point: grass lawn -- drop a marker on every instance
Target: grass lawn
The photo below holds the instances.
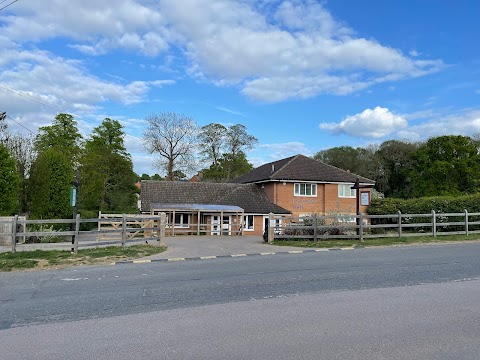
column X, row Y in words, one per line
column 390, row 241
column 38, row 259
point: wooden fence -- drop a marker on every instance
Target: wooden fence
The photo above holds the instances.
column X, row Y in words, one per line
column 132, row 228
column 359, row 227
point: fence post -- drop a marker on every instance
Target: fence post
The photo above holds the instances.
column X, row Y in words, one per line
column 399, row 223
column 466, row 222
column 360, row 228
column 315, row 227
column 434, row 223
column 124, row 230
column 77, row 234
column 161, row 229
column 271, row 227
column 14, row 234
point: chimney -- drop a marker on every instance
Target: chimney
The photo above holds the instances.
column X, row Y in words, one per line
column 273, row 168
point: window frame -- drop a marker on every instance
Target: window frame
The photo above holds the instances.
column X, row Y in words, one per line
column 298, row 186
column 245, row 221
column 348, row 188
column 181, row 224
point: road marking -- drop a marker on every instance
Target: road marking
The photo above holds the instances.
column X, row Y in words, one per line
column 176, row 259
column 319, row 250
column 74, row 279
column 237, row 255
column 141, row 261
column 268, row 253
column 295, row 252
column 347, row 248
column 207, row 257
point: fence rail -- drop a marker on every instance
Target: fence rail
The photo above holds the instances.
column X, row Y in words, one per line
column 364, row 226
column 132, row 230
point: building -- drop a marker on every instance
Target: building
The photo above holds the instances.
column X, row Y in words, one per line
column 297, row 185
column 305, row 186
column 219, row 208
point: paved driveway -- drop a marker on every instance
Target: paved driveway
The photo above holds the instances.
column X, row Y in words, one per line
column 196, row 246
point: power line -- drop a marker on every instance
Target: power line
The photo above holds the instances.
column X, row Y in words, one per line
column 30, row 97
column 46, row 103
column 16, row 122
column 8, row 4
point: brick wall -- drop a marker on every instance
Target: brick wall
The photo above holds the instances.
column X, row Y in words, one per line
column 325, row 202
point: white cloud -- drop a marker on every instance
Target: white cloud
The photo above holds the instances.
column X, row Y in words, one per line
column 294, row 49
column 375, row 123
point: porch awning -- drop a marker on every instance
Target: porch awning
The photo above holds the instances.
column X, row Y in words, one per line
column 195, row 207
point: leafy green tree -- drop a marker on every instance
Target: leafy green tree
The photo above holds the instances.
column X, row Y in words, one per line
column 9, row 182
column 212, row 142
column 446, row 165
column 106, row 171
column 234, row 141
column 50, row 183
column 343, row 157
column 63, row 134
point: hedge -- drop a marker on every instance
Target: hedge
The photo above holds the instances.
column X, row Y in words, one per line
column 441, row 204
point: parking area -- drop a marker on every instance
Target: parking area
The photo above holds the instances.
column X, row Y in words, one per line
column 202, row 246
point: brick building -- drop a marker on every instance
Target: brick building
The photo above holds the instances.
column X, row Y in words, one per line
column 297, row 185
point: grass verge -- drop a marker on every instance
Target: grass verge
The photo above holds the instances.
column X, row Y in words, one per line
column 40, row 259
column 390, row 241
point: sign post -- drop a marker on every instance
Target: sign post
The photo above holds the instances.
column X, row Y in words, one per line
column 365, row 200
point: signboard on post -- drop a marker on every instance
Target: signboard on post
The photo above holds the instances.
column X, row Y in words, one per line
column 73, row 196
column 365, row 199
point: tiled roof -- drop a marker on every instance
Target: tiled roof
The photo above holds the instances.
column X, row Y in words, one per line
column 299, row 168
column 249, row 197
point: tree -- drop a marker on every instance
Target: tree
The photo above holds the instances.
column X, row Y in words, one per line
column 106, row 171
column 231, row 142
column 63, row 134
column 212, row 142
column 343, row 157
column 50, row 182
column 238, row 140
column 172, row 137
column 9, row 181
column 395, row 158
column 446, row 165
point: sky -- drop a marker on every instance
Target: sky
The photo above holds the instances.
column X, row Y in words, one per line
column 302, row 76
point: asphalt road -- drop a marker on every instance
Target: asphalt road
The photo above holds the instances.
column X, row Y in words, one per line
column 390, row 303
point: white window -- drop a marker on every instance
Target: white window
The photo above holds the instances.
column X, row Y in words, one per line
column 346, row 191
column 181, row 220
column 248, row 221
column 305, row 189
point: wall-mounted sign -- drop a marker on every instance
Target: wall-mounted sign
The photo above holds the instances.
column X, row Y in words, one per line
column 365, row 198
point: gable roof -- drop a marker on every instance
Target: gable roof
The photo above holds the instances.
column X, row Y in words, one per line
column 249, row 197
column 299, row 168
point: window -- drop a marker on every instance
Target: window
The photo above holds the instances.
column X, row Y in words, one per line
column 248, row 221
column 345, row 191
column 181, row 220
column 305, row 189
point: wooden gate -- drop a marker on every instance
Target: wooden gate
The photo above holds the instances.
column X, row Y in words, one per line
column 111, row 226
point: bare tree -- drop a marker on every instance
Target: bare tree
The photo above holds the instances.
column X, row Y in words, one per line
column 173, row 137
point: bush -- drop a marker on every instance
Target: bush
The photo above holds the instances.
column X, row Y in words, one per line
column 425, row 205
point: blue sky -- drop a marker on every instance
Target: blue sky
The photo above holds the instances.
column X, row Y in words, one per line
column 302, row 76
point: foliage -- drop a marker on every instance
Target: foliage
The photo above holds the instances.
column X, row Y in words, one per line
column 50, row 182
column 9, row 183
column 172, row 137
column 225, row 148
column 446, row 165
column 441, row 204
column 62, row 134
column 106, row 171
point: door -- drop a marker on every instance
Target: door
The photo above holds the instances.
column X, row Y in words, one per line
column 215, row 225
column 226, row 227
